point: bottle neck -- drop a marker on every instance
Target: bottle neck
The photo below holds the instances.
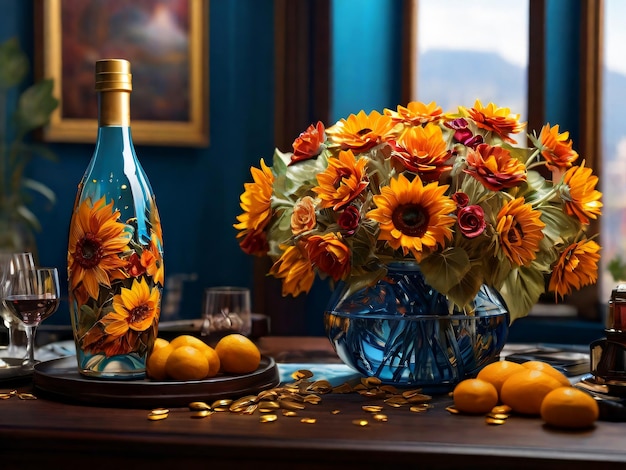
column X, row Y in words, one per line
column 114, row 108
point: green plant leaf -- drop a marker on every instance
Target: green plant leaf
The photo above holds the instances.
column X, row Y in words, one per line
column 446, row 269
column 35, row 106
column 14, row 64
column 521, row 290
column 40, row 188
column 26, row 214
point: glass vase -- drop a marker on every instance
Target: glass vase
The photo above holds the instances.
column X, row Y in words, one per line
column 406, row 333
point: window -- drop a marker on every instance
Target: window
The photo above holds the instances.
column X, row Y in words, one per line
column 469, row 50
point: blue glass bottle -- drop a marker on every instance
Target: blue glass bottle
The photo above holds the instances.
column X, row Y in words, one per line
column 115, row 251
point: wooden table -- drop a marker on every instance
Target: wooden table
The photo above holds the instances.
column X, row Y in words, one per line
column 49, row 434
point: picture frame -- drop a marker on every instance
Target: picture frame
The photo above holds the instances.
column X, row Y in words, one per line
column 167, row 45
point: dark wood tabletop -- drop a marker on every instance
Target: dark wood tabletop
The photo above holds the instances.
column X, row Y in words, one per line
column 46, row 433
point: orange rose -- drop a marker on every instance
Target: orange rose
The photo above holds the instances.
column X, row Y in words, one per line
column 329, row 254
column 303, row 216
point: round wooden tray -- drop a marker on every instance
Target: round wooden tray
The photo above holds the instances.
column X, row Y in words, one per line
column 59, row 379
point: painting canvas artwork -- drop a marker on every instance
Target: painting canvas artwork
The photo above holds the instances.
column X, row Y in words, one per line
column 165, row 41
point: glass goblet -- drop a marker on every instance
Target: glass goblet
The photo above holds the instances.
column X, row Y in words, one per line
column 9, row 263
column 32, row 295
column 226, row 311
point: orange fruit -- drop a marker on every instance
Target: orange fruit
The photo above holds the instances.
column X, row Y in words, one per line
column 497, row 372
column 155, row 365
column 238, row 354
column 189, row 340
column 548, row 369
column 187, row 363
column 524, row 391
column 214, row 361
column 475, row 396
column 569, row 407
column 159, row 343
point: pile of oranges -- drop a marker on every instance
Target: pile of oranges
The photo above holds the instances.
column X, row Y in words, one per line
column 187, row 357
column 532, row 388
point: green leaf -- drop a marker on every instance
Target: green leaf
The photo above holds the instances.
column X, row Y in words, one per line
column 559, row 226
column 40, row 188
column 14, row 64
column 35, row 106
column 26, row 214
column 521, row 291
column 444, row 270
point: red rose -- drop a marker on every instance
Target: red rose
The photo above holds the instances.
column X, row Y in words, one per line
column 471, row 220
column 349, row 220
column 461, row 199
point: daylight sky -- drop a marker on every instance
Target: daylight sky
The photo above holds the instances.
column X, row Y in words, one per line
column 476, row 25
column 614, row 56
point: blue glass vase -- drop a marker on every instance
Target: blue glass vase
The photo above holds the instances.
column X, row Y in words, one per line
column 115, row 252
column 406, row 333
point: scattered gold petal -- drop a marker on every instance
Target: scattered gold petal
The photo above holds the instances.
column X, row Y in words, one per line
column 360, row 422
column 308, row 420
column 372, row 408
column 494, row 421
column 201, row 414
column 289, row 413
column 198, row 405
column 268, row 418
column 501, row 409
column 160, row 411
column 157, row 417
column 453, row 410
column 380, row 417
column 26, row 396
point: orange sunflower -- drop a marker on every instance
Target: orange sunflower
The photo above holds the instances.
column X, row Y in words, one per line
column 412, row 216
column 255, row 201
column 497, row 120
column 579, row 192
column 423, row 150
column 576, row 268
column 95, row 239
column 519, row 229
column 361, row 131
column 295, row 269
column 329, row 254
column 134, row 311
column 556, row 148
column 416, row 113
column 342, row 181
column 494, row 167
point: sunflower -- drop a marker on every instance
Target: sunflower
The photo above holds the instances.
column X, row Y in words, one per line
column 519, row 231
column 415, row 113
column 134, row 312
column 579, row 192
column 361, row 131
column 95, row 241
column 412, row 216
column 255, row 201
column 494, row 119
column 295, row 269
column 576, row 268
column 556, row 148
column 423, row 150
column 342, row 181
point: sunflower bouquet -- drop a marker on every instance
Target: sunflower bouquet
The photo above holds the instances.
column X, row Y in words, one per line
column 453, row 192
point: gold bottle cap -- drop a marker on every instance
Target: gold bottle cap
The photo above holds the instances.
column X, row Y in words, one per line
column 113, row 74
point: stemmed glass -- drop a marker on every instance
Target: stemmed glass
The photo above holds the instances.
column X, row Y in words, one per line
column 9, row 264
column 32, row 295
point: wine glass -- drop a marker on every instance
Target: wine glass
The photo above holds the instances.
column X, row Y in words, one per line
column 9, row 263
column 32, row 295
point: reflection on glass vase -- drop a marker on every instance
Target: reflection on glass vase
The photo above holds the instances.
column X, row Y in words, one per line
column 405, row 333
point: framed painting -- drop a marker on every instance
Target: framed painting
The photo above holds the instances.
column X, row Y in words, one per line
column 166, row 42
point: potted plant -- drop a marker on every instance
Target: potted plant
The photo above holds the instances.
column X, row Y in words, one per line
column 21, row 112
